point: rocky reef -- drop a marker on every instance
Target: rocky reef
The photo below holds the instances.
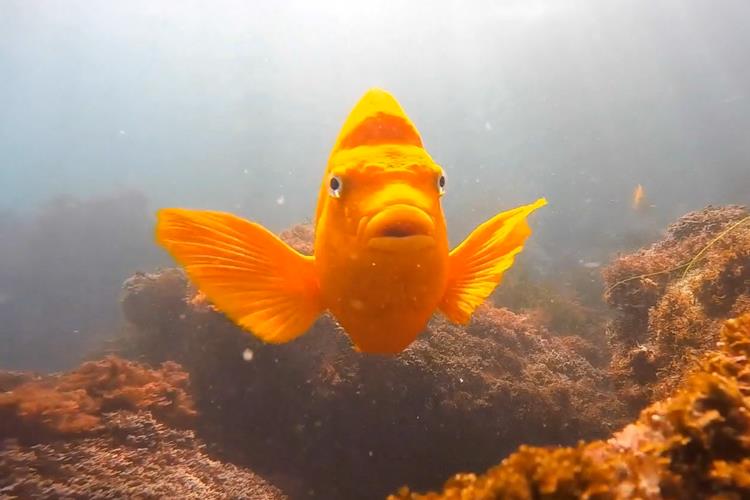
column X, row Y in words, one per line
column 695, row 444
column 322, row 421
column 34, row 408
column 672, row 298
column 346, row 425
column 110, row 429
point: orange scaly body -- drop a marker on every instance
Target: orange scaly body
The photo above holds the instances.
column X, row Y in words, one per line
column 381, row 262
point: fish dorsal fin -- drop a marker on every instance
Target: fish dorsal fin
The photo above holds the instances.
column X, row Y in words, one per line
column 377, row 119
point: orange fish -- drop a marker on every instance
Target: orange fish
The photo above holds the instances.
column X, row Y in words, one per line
column 381, row 262
column 638, row 194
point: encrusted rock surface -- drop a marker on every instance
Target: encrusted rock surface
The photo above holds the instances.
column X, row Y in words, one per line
column 135, row 456
column 695, row 444
column 356, row 426
column 34, row 408
column 667, row 318
column 108, row 430
column 338, row 424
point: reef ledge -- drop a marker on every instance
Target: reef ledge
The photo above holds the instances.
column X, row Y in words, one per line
column 694, row 444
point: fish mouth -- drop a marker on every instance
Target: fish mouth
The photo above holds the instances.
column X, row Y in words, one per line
column 399, row 227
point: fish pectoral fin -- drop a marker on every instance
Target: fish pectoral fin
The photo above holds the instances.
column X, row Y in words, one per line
column 476, row 266
column 246, row 271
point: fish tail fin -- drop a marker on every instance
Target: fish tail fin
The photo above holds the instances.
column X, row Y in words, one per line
column 477, row 265
column 246, row 271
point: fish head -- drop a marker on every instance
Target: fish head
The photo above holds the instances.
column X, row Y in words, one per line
column 381, row 190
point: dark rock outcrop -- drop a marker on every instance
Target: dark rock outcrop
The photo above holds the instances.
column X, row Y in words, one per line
column 356, row 426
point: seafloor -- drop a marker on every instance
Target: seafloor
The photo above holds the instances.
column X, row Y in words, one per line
column 185, row 405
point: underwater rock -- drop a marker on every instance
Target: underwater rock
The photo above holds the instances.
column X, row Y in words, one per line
column 349, row 425
column 668, row 318
column 107, row 430
column 300, row 237
column 133, row 456
column 694, row 444
column 557, row 303
column 34, row 408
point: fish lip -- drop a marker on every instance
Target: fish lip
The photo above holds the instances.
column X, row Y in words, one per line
column 401, row 244
column 399, row 226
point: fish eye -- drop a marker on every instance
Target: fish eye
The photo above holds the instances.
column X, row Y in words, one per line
column 334, row 186
column 441, row 184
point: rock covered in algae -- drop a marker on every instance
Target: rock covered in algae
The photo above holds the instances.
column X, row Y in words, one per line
column 695, row 444
column 34, row 407
column 106, row 430
column 666, row 318
column 458, row 397
column 135, row 456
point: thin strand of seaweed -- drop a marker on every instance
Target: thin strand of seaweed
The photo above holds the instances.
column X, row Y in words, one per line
column 687, row 264
column 723, row 233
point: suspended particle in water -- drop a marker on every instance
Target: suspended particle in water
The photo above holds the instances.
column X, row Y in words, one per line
column 247, row 354
column 589, row 264
column 280, row 200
